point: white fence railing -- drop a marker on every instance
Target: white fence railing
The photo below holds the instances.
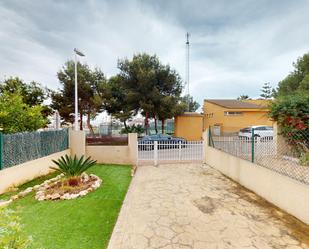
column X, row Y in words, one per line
column 169, row 151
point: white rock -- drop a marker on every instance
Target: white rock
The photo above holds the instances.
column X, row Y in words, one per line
column 66, row 196
column 3, row 203
column 22, row 194
column 26, row 191
column 86, row 178
column 73, row 196
column 55, row 196
column 40, row 192
column 14, row 197
column 36, row 187
column 82, row 193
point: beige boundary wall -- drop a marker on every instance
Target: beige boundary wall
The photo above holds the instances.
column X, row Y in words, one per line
column 121, row 154
column 109, row 154
column 27, row 171
column 284, row 192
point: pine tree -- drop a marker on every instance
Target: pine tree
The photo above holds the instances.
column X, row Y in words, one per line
column 266, row 91
column 243, row 97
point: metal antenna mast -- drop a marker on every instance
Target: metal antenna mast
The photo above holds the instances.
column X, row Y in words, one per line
column 188, row 65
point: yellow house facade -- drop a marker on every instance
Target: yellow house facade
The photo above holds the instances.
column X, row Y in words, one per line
column 224, row 116
column 228, row 115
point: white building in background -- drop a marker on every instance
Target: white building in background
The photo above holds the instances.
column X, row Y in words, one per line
column 137, row 121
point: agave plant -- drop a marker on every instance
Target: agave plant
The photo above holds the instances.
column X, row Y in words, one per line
column 73, row 167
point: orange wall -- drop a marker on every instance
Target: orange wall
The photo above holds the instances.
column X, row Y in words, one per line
column 189, row 127
column 234, row 123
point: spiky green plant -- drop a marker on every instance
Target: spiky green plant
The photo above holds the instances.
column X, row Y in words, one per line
column 73, row 167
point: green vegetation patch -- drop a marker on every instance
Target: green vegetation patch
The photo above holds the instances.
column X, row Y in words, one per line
column 85, row 222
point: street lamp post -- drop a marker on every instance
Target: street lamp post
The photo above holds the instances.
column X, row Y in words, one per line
column 76, row 52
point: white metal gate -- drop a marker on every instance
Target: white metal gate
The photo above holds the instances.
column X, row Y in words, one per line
column 170, row 152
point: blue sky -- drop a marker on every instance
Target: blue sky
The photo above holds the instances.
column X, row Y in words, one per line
column 236, row 46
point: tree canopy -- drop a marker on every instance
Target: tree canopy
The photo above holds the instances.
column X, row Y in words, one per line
column 32, row 94
column 115, row 100
column 17, row 116
column 151, row 87
column 291, row 105
column 298, row 80
column 90, row 87
column 243, row 97
column 143, row 85
column 266, row 91
column 192, row 105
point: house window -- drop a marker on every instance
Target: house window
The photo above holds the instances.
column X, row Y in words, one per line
column 209, row 115
column 232, row 113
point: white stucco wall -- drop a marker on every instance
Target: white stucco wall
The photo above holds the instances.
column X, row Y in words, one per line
column 109, row 154
column 284, row 192
column 27, row 171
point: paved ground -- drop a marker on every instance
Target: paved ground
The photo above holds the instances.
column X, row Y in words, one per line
column 194, row 206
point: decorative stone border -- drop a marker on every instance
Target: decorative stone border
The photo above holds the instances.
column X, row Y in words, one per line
column 34, row 188
column 41, row 195
column 40, row 188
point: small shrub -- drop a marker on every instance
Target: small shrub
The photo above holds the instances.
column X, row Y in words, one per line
column 304, row 159
column 72, row 168
column 139, row 129
column 11, row 231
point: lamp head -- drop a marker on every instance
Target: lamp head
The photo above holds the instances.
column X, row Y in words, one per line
column 78, row 52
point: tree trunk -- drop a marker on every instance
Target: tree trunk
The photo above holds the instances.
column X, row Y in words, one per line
column 163, row 124
column 146, row 123
column 88, row 123
column 156, row 126
column 81, row 120
column 125, row 124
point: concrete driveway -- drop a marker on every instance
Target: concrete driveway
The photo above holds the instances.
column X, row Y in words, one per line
column 194, row 206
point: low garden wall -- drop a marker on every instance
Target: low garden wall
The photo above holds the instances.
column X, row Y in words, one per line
column 21, row 173
column 117, row 154
column 109, row 154
column 286, row 193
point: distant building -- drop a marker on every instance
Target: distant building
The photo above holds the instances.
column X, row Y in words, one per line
column 189, row 126
column 229, row 115
column 224, row 116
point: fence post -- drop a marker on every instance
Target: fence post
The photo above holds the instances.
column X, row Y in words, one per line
column 210, row 140
column 179, row 150
column 155, row 154
column 1, row 151
column 133, row 148
column 252, row 146
column 77, row 143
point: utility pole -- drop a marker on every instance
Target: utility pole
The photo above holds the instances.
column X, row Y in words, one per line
column 188, row 67
column 76, row 52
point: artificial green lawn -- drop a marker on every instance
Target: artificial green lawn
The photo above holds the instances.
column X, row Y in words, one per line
column 86, row 222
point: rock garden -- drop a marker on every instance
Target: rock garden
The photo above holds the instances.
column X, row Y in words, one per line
column 71, row 183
